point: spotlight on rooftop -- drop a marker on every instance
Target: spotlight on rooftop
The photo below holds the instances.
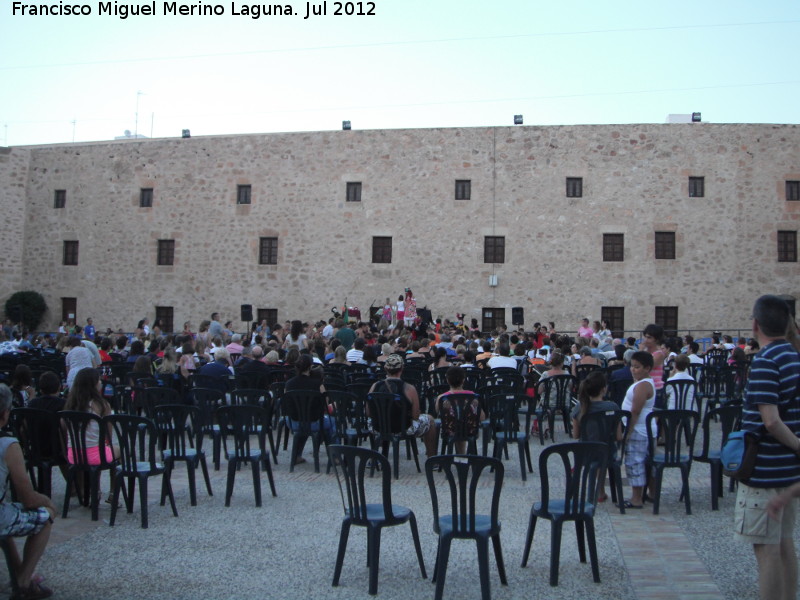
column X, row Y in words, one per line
column 346, row 126
column 517, row 119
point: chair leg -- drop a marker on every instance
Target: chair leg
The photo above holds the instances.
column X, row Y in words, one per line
column 716, row 485
column 115, row 500
column 579, row 534
column 337, row 571
column 498, row 557
column 191, row 469
column 412, row 520
column 256, row 468
column 659, row 475
column 528, row 540
column 593, row 550
column 441, row 565
column 231, row 478
column 143, row 500
column 522, row 460
column 396, row 457
column 555, row 550
column 70, row 482
column 94, row 499
column 168, row 465
column 483, row 567
column 374, row 555
column 687, row 494
column 269, row 476
column 168, row 483
column 415, row 452
column 217, row 443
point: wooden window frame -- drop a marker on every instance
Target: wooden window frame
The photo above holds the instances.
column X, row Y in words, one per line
column 613, row 247
column 381, row 249
column 494, row 249
column 665, row 245
column 268, row 250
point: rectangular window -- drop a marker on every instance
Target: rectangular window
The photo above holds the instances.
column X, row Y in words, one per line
column 243, row 194
column 697, row 187
column 492, row 318
column 574, row 187
column 613, row 247
column 164, row 316
column 381, row 249
column 270, row 315
column 494, row 249
column 354, row 191
column 793, row 191
column 463, row 189
column 665, row 245
column 146, row 198
column 787, row 246
column 614, row 316
column 60, row 199
column 71, row 252
column 268, row 251
column 166, row 252
column 667, row 317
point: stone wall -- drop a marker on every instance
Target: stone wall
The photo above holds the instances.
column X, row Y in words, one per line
column 13, row 181
column 635, row 181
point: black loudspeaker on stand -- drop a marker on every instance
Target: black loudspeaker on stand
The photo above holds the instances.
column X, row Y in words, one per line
column 517, row 316
column 247, row 312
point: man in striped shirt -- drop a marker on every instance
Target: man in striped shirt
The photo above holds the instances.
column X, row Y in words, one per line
column 772, row 409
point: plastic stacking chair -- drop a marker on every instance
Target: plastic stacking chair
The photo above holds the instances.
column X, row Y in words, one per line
column 679, row 428
column 467, row 423
column 682, row 393
column 238, row 424
column 208, row 400
column 505, row 429
column 37, row 431
column 582, row 462
column 729, row 417
column 132, row 434
column 391, row 417
column 351, row 417
column 351, row 464
column 456, row 478
column 555, row 397
column 75, row 427
column 307, row 409
column 605, row 427
column 178, row 424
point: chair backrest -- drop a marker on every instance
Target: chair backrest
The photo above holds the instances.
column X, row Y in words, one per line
column 351, row 464
column 241, row 423
column 207, row 400
column 438, row 376
column 390, row 413
column 350, row 412
column 505, row 377
column 460, row 475
column 582, row 371
column 609, row 427
column 503, row 412
column 37, row 431
column 304, row 407
column 177, row 424
column 679, row 428
column 136, row 438
column 252, row 380
column 716, row 358
column 582, row 463
column 75, row 426
column 557, row 391
column 729, row 417
column 153, row 396
column 682, row 394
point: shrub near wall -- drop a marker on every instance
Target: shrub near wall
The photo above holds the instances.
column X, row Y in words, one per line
column 26, row 307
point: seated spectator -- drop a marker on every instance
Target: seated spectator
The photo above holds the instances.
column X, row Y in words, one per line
column 187, row 364
column 623, row 374
column 681, row 364
column 30, row 516
column 273, row 358
column 356, row 353
column 235, row 347
column 439, row 359
column 692, row 351
column 455, row 379
column 309, row 379
column 501, row 359
column 586, row 358
column 48, row 398
column 22, row 385
column 137, row 350
column 78, row 358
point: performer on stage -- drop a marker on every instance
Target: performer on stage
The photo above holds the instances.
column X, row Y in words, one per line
column 411, row 308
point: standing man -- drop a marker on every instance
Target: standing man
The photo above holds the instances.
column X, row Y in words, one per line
column 772, row 408
column 215, row 328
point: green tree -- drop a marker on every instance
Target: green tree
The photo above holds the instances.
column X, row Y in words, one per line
column 27, row 307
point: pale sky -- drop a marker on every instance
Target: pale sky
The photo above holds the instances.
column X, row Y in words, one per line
column 414, row 63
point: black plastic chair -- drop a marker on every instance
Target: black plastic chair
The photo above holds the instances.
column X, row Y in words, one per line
column 177, row 425
column 251, row 396
column 605, row 427
column 75, row 426
column 729, row 417
column 307, row 409
column 504, row 427
column 37, row 431
column 555, row 398
column 683, row 394
column 582, row 463
column 351, row 417
column 351, row 464
column 456, row 478
column 391, row 417
column 132, row 434
column 616, row 390
column 155, row 396
column 679, row 428
column 239, row 423
column 208, row 400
